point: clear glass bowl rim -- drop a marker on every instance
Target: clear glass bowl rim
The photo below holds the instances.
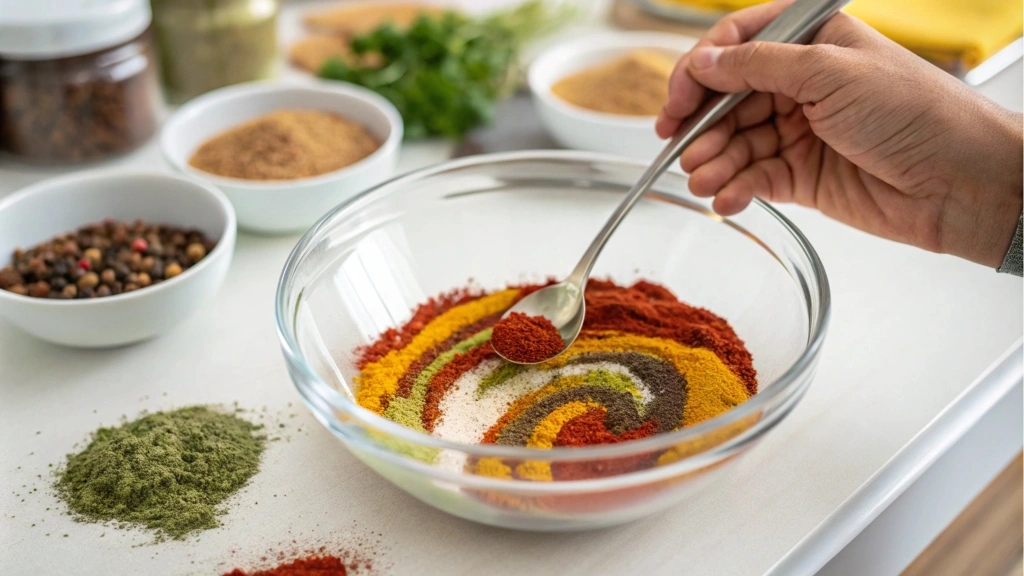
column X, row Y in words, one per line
column 784, row 386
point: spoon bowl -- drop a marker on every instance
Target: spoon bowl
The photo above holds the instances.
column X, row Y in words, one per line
column 561, row 304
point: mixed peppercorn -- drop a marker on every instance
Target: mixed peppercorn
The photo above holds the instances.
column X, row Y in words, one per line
column 104, row 259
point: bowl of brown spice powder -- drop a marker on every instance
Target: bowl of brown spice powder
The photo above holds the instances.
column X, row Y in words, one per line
column 285, row 154
column 602, row 93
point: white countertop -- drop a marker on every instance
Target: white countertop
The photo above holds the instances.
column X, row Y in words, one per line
column 910, row 332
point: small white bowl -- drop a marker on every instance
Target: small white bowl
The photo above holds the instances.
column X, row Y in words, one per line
column 41, row 211
column 582, row 129
column 281, row 206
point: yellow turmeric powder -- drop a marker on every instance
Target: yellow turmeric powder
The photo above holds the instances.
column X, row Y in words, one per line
column 380, row 379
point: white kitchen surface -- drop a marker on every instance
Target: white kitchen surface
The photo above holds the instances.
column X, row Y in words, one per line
column 910, row 333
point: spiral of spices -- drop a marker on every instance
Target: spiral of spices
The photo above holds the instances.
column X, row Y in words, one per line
column 645, row 363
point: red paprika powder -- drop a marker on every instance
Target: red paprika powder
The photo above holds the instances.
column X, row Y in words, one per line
column 312, row 566
column 527, row 339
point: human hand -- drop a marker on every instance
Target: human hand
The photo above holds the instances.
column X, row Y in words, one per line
column 855, row 126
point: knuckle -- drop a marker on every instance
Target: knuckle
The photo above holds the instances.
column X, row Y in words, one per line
column 817, row 56
column 750, row 54
column 820, row 67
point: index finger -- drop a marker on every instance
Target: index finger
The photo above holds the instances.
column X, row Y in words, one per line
column 684, row 93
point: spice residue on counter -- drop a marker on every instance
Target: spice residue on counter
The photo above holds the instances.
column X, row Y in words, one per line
column 633, row 85
column 104, row 259
column 645, row 363
column 169, row 472
column 312, row 566
column 336, row 552
column 286, row 145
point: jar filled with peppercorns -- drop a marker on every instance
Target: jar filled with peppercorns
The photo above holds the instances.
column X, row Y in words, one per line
column 78, row 79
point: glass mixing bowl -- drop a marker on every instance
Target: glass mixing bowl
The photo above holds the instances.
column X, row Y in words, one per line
column 526, row 216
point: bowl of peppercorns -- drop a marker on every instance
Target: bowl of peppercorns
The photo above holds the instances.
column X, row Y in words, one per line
column 108, row 258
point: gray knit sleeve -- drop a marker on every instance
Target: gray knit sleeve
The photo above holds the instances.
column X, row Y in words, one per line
column 1014, row 261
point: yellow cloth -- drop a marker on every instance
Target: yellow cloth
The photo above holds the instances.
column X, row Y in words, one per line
column 944, row 30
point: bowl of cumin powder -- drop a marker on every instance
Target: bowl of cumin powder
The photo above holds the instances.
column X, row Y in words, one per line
column 285, row 154
column 603, row 92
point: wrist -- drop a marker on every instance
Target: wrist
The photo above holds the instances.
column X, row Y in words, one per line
column 984, row 204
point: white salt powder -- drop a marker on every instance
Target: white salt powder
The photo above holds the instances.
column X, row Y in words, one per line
column 466, row 418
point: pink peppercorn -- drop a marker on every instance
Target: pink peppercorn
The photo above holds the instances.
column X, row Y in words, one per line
column 84, row 264
column 140, row 245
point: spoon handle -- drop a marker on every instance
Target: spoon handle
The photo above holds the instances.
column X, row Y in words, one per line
column 797, row 24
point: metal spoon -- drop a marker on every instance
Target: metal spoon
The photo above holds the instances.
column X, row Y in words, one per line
column 563, row 303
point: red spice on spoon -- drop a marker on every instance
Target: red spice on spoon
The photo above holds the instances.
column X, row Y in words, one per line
column 526, row 339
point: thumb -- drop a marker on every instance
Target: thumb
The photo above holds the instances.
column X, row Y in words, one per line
column 806, row 74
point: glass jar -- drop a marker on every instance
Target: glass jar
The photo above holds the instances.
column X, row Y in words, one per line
column 207, row 44
column 80, row 89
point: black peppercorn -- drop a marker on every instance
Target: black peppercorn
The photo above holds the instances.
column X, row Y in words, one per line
column 60, row 268
column 110, row 263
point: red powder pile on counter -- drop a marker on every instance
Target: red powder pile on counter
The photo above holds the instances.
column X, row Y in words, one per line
column 312, row 566
column 527, row 339
column 356, row 554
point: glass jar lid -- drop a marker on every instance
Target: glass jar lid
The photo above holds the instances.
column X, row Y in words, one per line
column 46, row 29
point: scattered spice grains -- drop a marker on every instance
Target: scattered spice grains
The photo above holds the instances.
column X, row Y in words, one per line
column 634, row 85
column 104, row 259
column 169, row 472
column 645, row 363
column 358, row 555
column 313, row 566
column 286, row 145
column 527, row 339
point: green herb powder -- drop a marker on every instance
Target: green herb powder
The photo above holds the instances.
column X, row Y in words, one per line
column 167, row 472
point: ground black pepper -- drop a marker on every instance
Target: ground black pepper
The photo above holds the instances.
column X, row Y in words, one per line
column 621, row 407
column 667, row 386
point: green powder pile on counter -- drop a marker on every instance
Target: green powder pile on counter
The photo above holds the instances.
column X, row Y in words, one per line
column 168, row 472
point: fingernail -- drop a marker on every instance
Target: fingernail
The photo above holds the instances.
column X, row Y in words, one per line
column 705, row 57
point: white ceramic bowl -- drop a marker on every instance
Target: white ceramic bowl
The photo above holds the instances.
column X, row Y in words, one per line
column 41, row 211
column 285, row 205
column 582, row 129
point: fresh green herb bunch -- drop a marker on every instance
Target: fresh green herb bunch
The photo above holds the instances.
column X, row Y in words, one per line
column 446, row 73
